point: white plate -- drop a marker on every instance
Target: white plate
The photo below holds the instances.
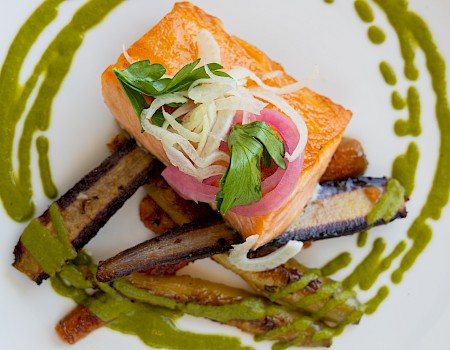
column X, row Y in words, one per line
column 300, row 35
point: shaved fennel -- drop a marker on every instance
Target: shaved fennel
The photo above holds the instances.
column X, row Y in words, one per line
column 238, row 255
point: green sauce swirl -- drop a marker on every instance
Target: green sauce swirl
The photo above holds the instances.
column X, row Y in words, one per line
column 155, row 325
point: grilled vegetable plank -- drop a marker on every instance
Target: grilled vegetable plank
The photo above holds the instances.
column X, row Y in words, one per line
column 190, row 242
column 224, row 304
column 340, row 208
column 293, row 284
column 75, row 218
column 228, row 305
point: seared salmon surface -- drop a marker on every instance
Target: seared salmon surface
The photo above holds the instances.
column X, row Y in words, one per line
column 172, row 43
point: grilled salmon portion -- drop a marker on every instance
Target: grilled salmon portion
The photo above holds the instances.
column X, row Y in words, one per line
column 172, row 43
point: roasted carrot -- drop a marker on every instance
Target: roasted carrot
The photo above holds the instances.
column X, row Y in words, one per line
column 348, row 161
column 78, row 324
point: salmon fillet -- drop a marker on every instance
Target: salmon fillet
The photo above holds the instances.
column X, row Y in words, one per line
column 172, row 43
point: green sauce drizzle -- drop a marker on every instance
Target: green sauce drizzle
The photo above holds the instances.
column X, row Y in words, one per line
column 362, row 239
column 154, row 326
column 404, row 168
column 338, row 263
column 372, row 305
column 420, row 233
column 15, row 191
column 367, row 272
column 364, row 11
column 376, row 35
column 295, row 286
column 298, row 325
column 397, row 101
column 411, row 126
column 335, row 301
column 324, row 292
column 53, row 66
column 40, row 242
column 413, row 32
column 388, row 73
column 388, row 204
column 42, row 146
column 399, row 17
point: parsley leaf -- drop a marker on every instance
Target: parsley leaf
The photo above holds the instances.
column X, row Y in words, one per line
column 145, row 78
column 270, row 140
column 137, row 100
column 241, row 183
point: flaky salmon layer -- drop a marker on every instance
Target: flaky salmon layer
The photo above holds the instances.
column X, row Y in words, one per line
column 172, row 43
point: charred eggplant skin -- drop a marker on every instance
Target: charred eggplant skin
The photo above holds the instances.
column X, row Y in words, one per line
column 315, row 222
column 88, row 205
column 193, row 241
column 333, row 229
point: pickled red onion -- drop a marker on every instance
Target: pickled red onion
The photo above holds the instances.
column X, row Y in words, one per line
column 276, row 188
column 188, row 187
column 284, row 180
column 274, row 199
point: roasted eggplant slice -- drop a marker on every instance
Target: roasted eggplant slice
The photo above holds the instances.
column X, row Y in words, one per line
column 197, row 240
column 340, row 208
column 70, row 222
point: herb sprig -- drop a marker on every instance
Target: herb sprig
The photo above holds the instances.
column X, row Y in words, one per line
column 143, row 78
column 248, row 144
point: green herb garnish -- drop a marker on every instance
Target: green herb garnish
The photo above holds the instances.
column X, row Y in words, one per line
column 144, row 78
column 248, row 144
column 137, row 100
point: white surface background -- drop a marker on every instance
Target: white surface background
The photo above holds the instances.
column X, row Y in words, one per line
column 300, row 35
